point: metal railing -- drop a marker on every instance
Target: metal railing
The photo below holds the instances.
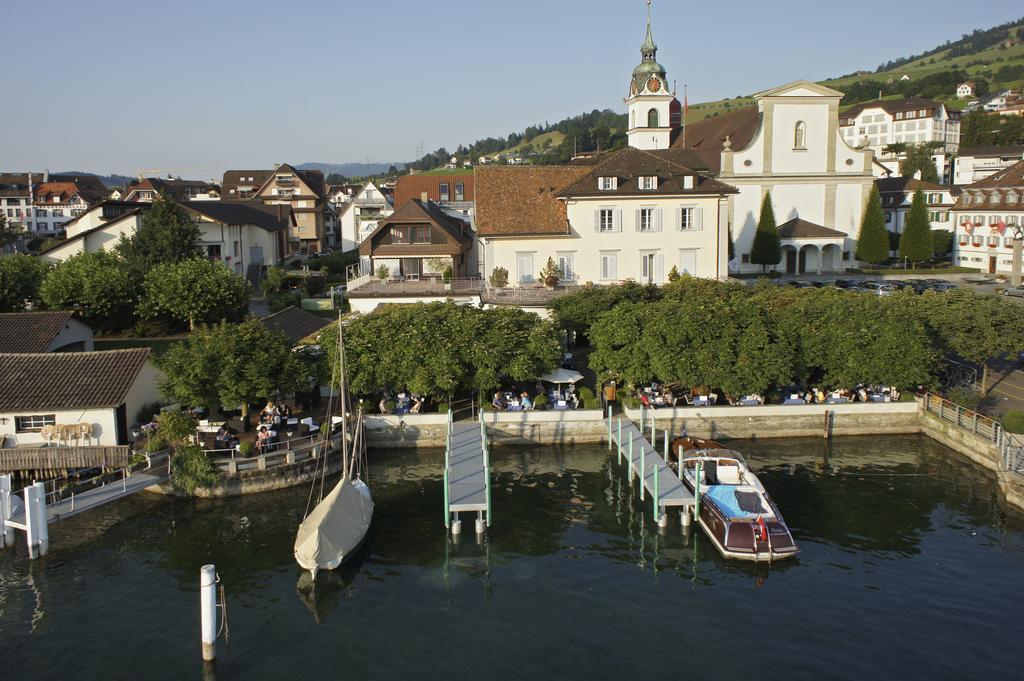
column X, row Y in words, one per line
column 965, row 419
column 525, row 295
column 292, row 451
column 416, row 287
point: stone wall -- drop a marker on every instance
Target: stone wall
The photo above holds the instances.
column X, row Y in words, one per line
column 975, row 448
column 575, row 427
column 408, row 430
column 256, row 481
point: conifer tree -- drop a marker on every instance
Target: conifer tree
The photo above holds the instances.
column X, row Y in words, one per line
column 916, row 242
column 873, row 241
column 767, row 249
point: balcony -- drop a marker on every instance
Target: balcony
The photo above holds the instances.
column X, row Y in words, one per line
column 426, row 287
column 530, row 296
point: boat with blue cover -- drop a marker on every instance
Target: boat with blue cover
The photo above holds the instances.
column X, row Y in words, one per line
column 736, row 511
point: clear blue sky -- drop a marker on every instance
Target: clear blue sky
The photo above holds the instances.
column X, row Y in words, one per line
column 115, row 86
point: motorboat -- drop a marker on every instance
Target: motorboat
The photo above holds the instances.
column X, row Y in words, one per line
column 735, row 512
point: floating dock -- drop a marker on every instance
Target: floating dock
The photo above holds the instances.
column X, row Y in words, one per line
column 643, row 461
column 467, row 475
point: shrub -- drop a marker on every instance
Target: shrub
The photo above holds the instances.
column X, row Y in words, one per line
column 390, row 406
column 629, row 401
column 383, row 272
column 446, row 276
column 540, row 402
column 279, row 301
column 157, row 442
column 246, row 449
column 907, row 396
column 442, row 407
column 151, row 328
column 192, row 468
column 1013, row 421
column 147, row 412
column 965, row 397
column 587, row 398
column 499, row 277
column 673, row 274
column 176, row 427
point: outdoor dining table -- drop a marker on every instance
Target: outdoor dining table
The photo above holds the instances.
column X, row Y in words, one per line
column 749, row 402
column 793, row 400
column 702, row 401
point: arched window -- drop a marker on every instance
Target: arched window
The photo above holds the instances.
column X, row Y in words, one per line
column 652, row 118
column 799, row 135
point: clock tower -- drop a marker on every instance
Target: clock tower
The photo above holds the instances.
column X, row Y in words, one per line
column 651, row 111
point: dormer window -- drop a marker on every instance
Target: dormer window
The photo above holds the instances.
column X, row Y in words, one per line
column 994, row 198
column 688, row 182
column 607, row 184
column 1011, row 198
column 648, row 183
column 967, row 199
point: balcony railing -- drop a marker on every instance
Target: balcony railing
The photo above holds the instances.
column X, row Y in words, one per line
column 424, row 286
column 525, row 295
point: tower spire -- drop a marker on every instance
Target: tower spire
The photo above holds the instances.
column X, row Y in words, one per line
column 649, row 49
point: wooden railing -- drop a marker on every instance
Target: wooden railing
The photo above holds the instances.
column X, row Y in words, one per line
column 60, row 459
column 286, row 453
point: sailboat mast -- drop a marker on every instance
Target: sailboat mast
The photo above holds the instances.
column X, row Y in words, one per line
column 343, row 387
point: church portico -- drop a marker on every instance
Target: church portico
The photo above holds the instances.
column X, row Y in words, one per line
column 808, row 248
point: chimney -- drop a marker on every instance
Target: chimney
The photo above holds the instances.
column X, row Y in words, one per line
column 423, row 197
column 917, row 175
column 46, row 175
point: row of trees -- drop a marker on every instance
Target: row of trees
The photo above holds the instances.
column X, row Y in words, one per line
column 917, row 243
column 752, row 339
column 157, row 274
column 442, row 349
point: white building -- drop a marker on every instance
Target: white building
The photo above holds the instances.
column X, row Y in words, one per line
column 99, row 228
column 910, row 121
column 34, row 332
column 897, row 195
column 790, row 148
column 987, row 215
column 965, row 90
column 102, row 391
column 977, row 163
column 360, row 215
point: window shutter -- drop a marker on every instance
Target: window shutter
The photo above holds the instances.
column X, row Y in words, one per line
column 679, row 219
column 659, row 268
column 597, row 220
column 618, row 220
column 657, row 220
column 698, row 218
column 636, row 225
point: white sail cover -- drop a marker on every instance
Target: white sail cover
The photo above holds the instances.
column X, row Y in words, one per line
column 336, row 526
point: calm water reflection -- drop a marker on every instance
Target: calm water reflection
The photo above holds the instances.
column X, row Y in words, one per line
column 908, row 569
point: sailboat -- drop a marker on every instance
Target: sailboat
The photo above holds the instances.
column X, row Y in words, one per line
column 334, row 530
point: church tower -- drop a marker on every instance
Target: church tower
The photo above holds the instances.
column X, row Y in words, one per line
column 652, row 115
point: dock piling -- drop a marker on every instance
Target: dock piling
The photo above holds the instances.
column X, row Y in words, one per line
column 6, row 536
column 609, row 427
column 36, row 529
column 208, row 611
column 619, row 441
column 630, row 457
column 643, row 470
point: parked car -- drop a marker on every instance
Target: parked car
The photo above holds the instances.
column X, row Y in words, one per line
column 919, row 285
column 878, row 288
column 942, row 286
column 846, row 283
column 899, row 283
column 802, row 284
column 1017, row 291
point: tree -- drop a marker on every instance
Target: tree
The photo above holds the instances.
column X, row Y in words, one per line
column 20, row 279
column 167, row 234
column 942, row 242
column 916, row 241
column 872, row 240
column 767, row 249
column 8, row 233
column 230, row 365
column 919, row 158
column 191, row 468
column 194, row 291
column 96, row 287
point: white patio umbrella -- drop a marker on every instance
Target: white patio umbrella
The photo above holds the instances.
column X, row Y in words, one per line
column 562, row 376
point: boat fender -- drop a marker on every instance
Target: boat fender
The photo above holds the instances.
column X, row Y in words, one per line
column 762, row 528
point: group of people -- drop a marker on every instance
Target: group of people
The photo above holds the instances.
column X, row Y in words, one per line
column 510, row 402
column 405, row 403
column 275, row 413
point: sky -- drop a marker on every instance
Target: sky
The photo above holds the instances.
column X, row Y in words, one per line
column 194, row 88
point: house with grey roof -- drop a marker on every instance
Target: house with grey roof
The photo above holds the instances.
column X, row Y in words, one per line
column 95, row 395
column 36, row 332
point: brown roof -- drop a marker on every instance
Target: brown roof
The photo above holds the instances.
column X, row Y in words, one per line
column 272, row 218
column 1007, row 178
column 706, row 135
column 893, row 106
column 416, row 211
column 295, row 323
column 522, row 200
column 1007, row 150
column 802, row 229
column 670, row 166
column 903, row 184
column 30, row 331
column 414, row 186
column 233, row 180
column 68, row 380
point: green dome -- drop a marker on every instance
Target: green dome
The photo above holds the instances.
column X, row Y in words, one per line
column 649, row 66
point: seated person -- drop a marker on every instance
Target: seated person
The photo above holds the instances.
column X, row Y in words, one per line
column 499, row 401
column 525, row 400
column 383, row 406
column 286, row 413
column 645, row 400
column 224, row 439
column 416, row 406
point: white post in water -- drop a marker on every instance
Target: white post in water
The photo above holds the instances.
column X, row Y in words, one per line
column 35, row 520
column 208, row 610
column 6, row 536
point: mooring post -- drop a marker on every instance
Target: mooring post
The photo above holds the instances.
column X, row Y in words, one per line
column 618, row 441
column 609, row 427
column 36, row 531
column 487, row 491
column 666, row 446
column 652, row 428
column 696, row 491
column 826, row 433
column 630, row 457
column 446, row 513
column 208, row 610
column 643, row 467
column 641, row 419
column 657, row 507
column 6, row 536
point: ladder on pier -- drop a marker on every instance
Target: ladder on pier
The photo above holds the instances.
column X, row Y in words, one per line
column 643, row 461
column 40, row 508
column 467, row 474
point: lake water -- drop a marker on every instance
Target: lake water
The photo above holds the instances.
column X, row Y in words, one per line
column 910, row 568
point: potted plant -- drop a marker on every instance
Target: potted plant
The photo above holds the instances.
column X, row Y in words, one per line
column 499, row 277
column 551, row 274
column 383, row 272
column 446, row 277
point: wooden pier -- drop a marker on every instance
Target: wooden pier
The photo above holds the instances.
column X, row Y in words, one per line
column 467, row 475
column 52, row 461
column 643, row 461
